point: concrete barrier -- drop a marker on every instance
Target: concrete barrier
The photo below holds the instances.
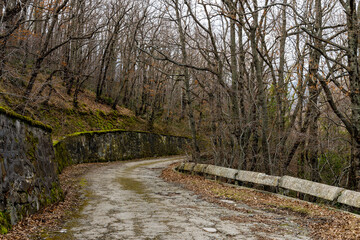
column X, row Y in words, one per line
column 188, row 166
column 243, row 176
column 258, row 178
column 199, row 168
column 323, row 191
column 320, row 190
column 350, row 198
column 221, row 171
column 180, row 167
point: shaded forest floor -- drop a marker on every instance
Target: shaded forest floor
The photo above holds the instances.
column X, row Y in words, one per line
column 324, row 222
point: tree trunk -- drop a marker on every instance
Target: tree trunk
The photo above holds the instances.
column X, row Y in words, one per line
column 262, row 101
column 281, row 88
column 188, row 94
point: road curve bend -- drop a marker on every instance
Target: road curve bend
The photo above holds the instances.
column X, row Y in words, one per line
column 130, row 201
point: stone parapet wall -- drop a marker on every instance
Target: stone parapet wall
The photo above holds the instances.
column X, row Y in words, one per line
column 287, row 183
column 115, row 145
column 28, row 179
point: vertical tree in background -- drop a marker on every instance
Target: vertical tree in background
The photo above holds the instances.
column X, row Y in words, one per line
column 184, row 61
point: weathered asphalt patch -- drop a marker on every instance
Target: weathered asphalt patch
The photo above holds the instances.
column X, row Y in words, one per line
column 130, row 201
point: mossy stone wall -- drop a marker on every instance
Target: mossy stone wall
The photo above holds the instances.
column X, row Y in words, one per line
column 28, row 178
column 115, row 145
column 29, row 164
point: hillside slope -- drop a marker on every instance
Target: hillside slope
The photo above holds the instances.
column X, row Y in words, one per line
column 64, row 118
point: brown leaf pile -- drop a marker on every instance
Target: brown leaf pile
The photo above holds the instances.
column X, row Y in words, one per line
column 53, row 216
column 323, row 222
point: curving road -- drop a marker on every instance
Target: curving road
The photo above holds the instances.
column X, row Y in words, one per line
column 129, row 201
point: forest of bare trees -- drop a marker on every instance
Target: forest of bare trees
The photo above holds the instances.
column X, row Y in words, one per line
column 270, row 85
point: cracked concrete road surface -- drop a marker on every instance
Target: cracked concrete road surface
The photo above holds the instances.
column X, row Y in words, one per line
column 130, row 201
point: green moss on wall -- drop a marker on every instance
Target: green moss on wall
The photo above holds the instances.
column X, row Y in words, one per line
column 32, row 142
column 56, row 193
column 25, row 119
column 92, row 133
column 5, row 225
column 62, row 157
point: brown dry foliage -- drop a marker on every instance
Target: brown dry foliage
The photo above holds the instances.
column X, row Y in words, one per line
column 323, row 222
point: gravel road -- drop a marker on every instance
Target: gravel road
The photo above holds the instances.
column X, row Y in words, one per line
column 129, row 201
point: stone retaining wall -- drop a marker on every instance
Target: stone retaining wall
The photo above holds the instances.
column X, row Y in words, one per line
column 319, row 190
column 115, row 145
column 29, row 164
column 28, row 179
